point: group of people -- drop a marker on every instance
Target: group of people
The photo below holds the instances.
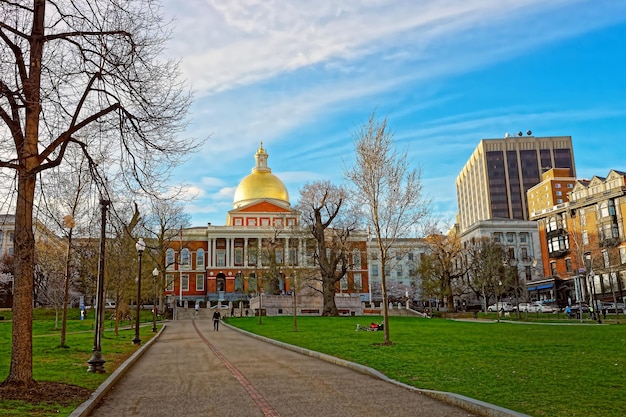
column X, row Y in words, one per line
column 595, row 315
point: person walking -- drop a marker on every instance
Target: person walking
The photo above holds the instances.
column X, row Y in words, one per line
column 216, row 320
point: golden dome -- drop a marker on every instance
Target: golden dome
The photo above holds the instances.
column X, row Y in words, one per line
column 260, row 184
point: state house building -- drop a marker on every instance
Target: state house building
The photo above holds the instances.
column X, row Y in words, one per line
column 232, row 263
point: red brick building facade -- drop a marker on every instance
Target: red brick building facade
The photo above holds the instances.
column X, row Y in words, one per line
column 260, row 249
column 583, row 241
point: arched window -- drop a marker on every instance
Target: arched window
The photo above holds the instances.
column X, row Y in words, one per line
column 604, row 209
column 551, row 224
column 184, row 257
column 200, row 259
column 356, row 259
column 169, row 257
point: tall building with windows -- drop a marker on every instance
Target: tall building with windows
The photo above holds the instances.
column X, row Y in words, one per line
column 494, row 181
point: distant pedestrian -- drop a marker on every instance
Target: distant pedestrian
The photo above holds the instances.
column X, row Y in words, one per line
column 216, row 320
column 568, row 311
column 604, row 313
column 247, row 312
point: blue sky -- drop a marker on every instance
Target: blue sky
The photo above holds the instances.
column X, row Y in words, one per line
column 302, row 75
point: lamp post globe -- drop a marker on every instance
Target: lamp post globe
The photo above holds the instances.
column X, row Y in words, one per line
column 155, row 275
column 140, row 246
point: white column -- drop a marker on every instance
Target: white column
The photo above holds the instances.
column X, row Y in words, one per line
column 245, row 252
column 213, row 250
column 228, row 242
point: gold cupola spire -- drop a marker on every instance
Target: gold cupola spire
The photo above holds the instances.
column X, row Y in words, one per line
column 261, row 160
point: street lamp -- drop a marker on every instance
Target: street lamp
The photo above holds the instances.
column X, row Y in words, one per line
column 96, row 362
column 140, row 246
column 155, row 274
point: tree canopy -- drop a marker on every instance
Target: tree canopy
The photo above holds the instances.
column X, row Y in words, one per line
column 86, row 75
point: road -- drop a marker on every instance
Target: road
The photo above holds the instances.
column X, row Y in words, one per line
column 192, row 370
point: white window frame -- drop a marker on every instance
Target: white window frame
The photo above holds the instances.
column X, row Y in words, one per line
column 343, row 283
column 356, row 258
column 358, row 281
column 200, row 259
column 221, row 257
column 169, row 282
column 185, row 258
column 184, row 282
column 199, row 282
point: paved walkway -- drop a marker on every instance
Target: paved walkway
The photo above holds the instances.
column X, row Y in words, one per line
column 191, row 370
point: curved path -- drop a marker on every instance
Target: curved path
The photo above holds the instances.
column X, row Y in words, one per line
column 192, row 370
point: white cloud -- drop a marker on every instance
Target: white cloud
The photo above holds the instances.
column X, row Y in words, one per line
column 237, row 43
column 283, row 72
column 226, row 192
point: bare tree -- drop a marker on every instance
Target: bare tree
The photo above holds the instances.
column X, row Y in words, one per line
column 442, row 267
column 164, row 219
column 68, row 66
column 49, row 277
column 119, row 276
column 488, row 270
column 389, row 190
column 325, row 213
column 65, row 197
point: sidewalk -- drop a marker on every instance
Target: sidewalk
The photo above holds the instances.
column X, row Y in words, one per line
column 191, row 370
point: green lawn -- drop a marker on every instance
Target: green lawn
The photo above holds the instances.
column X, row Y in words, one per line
column 68, row 365
column 537, row 369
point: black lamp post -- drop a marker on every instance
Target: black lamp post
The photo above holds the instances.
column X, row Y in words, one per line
column 155, row 274
column 140, row 246
column 96, row 362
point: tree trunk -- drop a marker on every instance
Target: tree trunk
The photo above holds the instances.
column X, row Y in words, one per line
column 449, row 296
column 21, row 371
column 383, row 286
column 330, row 308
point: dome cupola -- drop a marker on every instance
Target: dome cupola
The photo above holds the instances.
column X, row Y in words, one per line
column 260, row 184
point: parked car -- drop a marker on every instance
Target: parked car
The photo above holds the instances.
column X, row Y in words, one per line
column 525, row 307
column 610, row 307
column 576, row 308
column 501, row 307
column 545, row 308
